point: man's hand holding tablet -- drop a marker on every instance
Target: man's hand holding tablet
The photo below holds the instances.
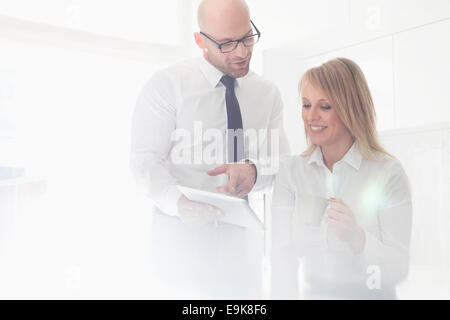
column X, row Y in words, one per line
column 197, row 213
column 234, row 210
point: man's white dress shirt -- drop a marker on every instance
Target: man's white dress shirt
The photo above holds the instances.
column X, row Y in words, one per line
column 181, row 113
column 377, row 192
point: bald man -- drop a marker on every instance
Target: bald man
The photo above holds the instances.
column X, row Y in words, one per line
column 207, row 123
column 222, row 21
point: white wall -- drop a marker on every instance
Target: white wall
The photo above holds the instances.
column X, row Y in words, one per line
column 403, row 54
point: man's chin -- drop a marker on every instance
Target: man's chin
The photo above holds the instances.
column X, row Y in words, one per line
column 240, row 72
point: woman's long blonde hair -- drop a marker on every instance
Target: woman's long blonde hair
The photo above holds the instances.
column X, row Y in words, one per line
column 345, row 86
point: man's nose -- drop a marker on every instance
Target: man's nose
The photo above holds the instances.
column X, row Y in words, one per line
column 241, row 50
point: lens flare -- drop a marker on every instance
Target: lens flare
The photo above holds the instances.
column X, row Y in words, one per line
column 372, row 198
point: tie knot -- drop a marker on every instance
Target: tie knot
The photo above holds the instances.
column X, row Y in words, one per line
column 228, row 81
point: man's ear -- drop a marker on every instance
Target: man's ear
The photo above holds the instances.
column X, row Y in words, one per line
column 199, row 41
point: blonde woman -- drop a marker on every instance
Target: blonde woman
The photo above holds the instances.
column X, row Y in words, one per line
column 341, row 211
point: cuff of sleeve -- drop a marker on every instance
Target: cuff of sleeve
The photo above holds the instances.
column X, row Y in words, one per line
column 262, row 178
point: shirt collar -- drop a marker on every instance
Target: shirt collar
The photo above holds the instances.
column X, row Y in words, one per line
column 316, row 157
column 212, row 74
column 353, row 157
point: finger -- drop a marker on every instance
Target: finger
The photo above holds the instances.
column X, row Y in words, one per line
column 336, row 225
column 189, row 217
column 222, row 189
column 333, row 199
column 240, row 193
column 244, row 188
column 187, row 206
column 240, row 187
column 240, row 182
column 209, row 209
column 338, row 206
column 336, row 200
column 210, row 216
column 335, row 215
column 201, row 206
column 332, row 224
column 232, row 182
column 219, row 170
column 343, row 223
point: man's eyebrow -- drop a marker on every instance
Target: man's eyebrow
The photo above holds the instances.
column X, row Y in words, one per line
column 228, row 39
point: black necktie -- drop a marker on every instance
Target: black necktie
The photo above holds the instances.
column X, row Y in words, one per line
column 235, row 134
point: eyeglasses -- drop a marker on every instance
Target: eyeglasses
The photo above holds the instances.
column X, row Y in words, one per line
column 229, row 46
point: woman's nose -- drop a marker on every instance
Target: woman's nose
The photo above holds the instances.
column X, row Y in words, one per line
column 313, row 114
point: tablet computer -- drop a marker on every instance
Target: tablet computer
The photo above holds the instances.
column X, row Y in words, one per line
column 236, row 210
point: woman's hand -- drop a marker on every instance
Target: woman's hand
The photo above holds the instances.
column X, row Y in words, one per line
column 340, row 220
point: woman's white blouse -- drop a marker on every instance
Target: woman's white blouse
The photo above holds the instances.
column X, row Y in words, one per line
column 377, row 192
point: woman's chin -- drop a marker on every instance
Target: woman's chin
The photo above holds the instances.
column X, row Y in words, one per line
column 318, row 142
